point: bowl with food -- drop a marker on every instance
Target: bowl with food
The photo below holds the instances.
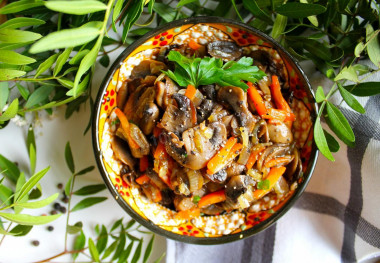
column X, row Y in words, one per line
column 203, row 130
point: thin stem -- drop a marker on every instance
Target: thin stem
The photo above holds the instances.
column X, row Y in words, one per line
column 48, row 106
column 2, row 239
column 59, row 23
column 69, row 210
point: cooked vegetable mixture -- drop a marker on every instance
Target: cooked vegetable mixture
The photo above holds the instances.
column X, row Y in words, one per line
column 205, row 130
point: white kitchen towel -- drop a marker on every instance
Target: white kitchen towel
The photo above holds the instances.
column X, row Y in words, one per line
column 337, row 219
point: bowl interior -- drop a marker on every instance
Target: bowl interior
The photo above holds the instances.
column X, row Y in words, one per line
column 204, row 229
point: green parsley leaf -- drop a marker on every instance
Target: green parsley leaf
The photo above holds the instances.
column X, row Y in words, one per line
column 263, row 185
column 196, row 199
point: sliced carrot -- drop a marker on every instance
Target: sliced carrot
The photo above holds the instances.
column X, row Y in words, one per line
column 212, row 198
column 190, row 91
column 257, row 100
column 193, row 113
column 156, row 196
column 278, row 161
column 160, row 151
column 126, row 128
column 217, row 162
column 273, row 176
column 194, row 45
column 277, row 95
column 188, row 214
column 143, row 179
column 156, row 131
column 144, row 163
column 162, row 164
column 253, row 157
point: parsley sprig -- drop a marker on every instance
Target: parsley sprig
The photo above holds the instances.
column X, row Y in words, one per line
column 205, row 71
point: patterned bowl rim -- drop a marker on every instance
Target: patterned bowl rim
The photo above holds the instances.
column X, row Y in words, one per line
column 147, row 223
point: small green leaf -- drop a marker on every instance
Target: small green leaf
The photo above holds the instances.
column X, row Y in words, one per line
column 102, row 241
column 130, row 224
column 23, row 91
column 8, row 74
column 320, row 95
column 78, row 57
column 87, row 202
column 4, row 94
column 116, row 224
column 40, row 203
column 90, row 189
column 85, row 170
column 263, row 185
column 339, row 124
column 21, row 230
column 125, row 254
column 79, row 244
column 20, row 182
column 82, row 7
column 361, row 69
column 24, row 219
column 373, row 45
column 279, row 26
column 19, row 6
column 38, row 96
column 14, row 58
column 104, row 61
column 61, row 60
column 5, row 194
column 185, row 2
column 253, row 7
column 364, row 89
column 116, row 13
column 148, row 250
column 73, row 229
column 17, row 36
column 66, row 38
column 93, row 251
column 31, row 183
column 69, row 158
column 320, row 140
column 160, row 258
column 21, row 22
column 359, row 49
column 66, row 83
column 137, row 254
column 300, row 10
column 121, row 245
column 68, row 186
column 110, row 249
column 10, row 112
column 32, row 158
column 166, row 12
column 331, row 142
column 46, row 65
column 348, row 73
column 81, row 87
column 131, row 237
column 350, row 100
column 9, row 169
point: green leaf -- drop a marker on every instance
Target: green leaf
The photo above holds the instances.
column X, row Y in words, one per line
column 116, row 13
column 10, row 112
column 66, row 38
column 104, row 60
column 82, row 7
column 185, row 2
column 21, row 22
column 160, row 258
column 279, row 26
column 38, row 96
column 61, row 61
column 373, row 45
column 350, row 100
column 364, row 89
column 9, row 169
column 130, row 224
column 359, row 49
column 90, row 189
column 342, row 4
column 331, row 142
column 32, row 158
column 148, row 250
column 320, row 95
column 21, row 230
column 252, row 6
column 125, row 254
column 29, row 219
column 19, row 6
column 78, row 57
column 24, row 92
column 40, row 203
column 116, row 224
column 66, row 83
column 20, row 182
column 132, row 14
column 93, row 251
column 320, row 140
column 121, row 245
column 4, row 94
column 81, row 87
column 263, row 185
column 79, row 244
column 69, row 158
column 14, row 58
column 85, row 170
column 348, row 73
column 8, row 74
column 318, row 49
column 17, row 36
column 68, row 185
column 166, row 12
column 137, row 254
column 102, row 241
column 5, row 194
column 339, row 124
column 31, row 183
column 46, row 65
column 110, row 249
column 36, row 192
column 73, row 229
column 87, row 202
column 300, row 10
column 361, row 69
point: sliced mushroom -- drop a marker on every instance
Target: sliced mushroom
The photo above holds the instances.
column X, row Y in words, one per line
column 183, row 203
column 153, row 176
column 178, row 119
column 235, row 169
column 188, row 154
column 204, row 110
column 218, row 177
column 294, row 169
column 209, row 91
column 139, row 138
column 121, row 151
column 147, row 67
column 225, row 50
column 270, row 153
column 236, row 98
column 260, row 132
column 280, row 133
column 237, row 186
column 122, row 95
column 164, row 91
column 213, row 209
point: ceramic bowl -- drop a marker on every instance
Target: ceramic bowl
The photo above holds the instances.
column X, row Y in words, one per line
column 159, row 219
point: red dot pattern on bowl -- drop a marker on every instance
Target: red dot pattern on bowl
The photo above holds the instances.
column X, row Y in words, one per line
column 162, row 39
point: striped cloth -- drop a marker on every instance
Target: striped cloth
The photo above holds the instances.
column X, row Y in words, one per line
column 337, row 219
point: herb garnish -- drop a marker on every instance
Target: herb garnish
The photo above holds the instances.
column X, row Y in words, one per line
column 196, row 199
column 263, row 185
column 205, row 71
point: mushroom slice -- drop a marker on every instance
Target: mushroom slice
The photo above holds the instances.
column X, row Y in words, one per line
column 121, row 150
column 218, row 177
column 191, row 155
column 204, row 110
column 147, row 67
column 225, row 50
column 183, row 203
column 294, row 169
column 164, row 91
column 139, row 138
column 236, row 98
column 213, row 209
column 280, row 133
column 237, row 186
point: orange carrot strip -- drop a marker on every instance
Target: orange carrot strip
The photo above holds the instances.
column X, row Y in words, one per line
column 160, row 151
column 257, row 99
column 216, row 163
column 194, row 45
column 277, row 95
column 212, row 198
column 162, row 164
column 143, row 179
column 277, row 161
column 125, row 126
column 190, row 91
column 157, row 197
column 253, row 157
column 144, row 163
column 273, row 176
column 193, row 113
column 188, row 214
